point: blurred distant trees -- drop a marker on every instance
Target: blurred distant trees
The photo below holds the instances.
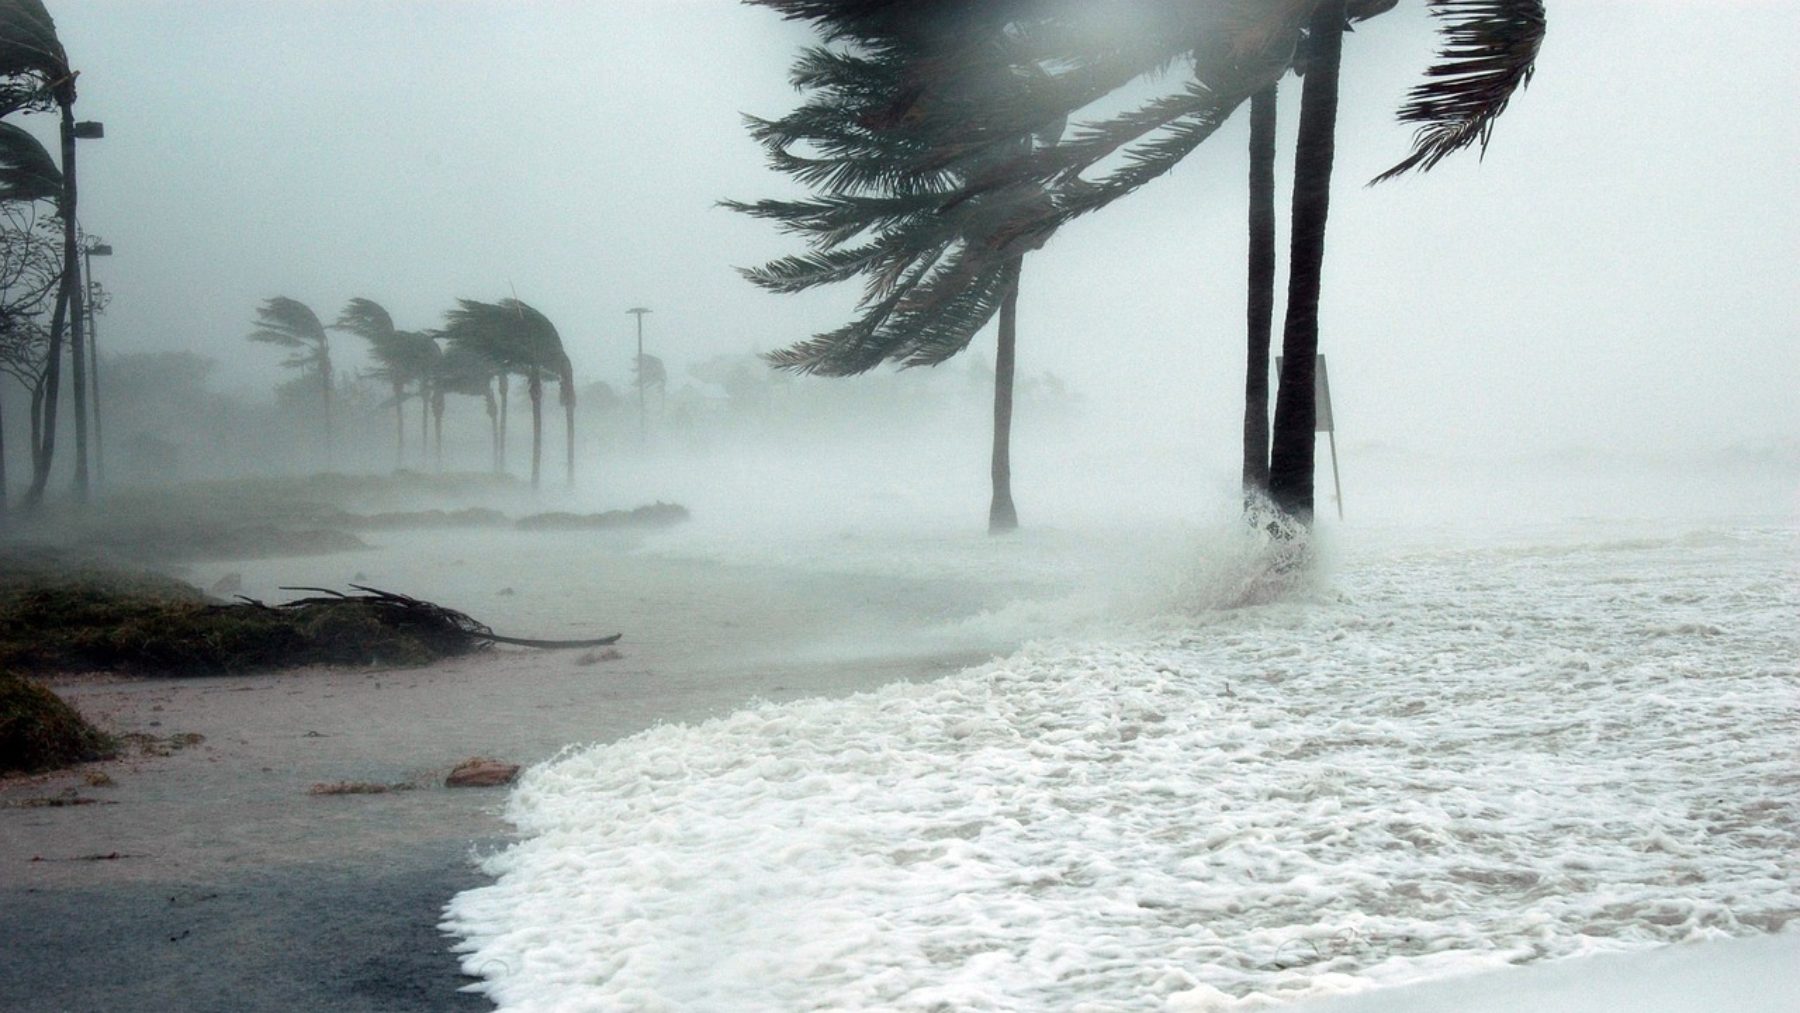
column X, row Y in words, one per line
column 519, row 340
column 401, row 358
column 291, row 324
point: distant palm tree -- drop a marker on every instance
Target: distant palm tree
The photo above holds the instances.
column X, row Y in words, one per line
column 291, row 324
column 368, row 320
column 463, row 370
column 521, row 340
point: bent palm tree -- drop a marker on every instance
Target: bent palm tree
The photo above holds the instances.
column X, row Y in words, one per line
column 889, row 115
column 519, row 339
column 368, row 320
column 463, row 370
column 291, row 324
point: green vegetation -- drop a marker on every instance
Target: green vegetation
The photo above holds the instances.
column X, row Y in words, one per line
column 62, row 620
column 39, row 731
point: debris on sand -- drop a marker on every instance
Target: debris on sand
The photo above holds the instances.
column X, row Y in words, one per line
column 480, row 772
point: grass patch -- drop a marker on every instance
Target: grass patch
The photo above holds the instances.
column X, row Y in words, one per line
column 40, row 731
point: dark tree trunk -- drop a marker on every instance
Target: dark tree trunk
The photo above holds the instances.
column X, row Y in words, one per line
column 568, row 399
column 505, row 410
column 45, row 402
column 72, row 271
column 325, row 385
column 400, row 425
column 493, row 413
column 1291, row 459
column 1260, row 310
column 535, row 388
column 1002, row 516
column 437, row 414
column 424, row 423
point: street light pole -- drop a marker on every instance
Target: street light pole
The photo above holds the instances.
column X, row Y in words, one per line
column 73, row 131
column 643, row 424
column 90, row 251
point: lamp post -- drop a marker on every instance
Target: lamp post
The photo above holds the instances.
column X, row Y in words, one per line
column 643, row 425
column 93, row 249
column 72, row 131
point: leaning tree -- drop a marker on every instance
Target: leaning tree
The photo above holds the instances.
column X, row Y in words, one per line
column 401, row 358
column 1232, row 50
column 883, row 140
column 291, row 324
column 519, row 339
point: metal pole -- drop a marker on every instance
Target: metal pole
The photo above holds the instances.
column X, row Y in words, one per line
column 93, row 336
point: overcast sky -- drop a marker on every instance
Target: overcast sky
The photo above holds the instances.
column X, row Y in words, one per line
column 1619, row 271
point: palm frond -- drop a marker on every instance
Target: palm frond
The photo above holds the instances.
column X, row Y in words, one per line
column 1490, row 52
column 288, row 323
column 27, row 171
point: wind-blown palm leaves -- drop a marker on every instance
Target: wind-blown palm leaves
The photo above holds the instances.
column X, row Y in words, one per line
column 464, row 370
column 519, row 339
column 919, row 202
column 291, row 324
column 1490, row 52
column 35, row 75
column 401, row 358
column 34, row 69
column 27, row 172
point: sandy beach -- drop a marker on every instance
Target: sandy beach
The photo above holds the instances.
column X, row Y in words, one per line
column 209, row 878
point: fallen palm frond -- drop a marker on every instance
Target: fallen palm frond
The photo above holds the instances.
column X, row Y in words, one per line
column 89, row 622
column 427, row 620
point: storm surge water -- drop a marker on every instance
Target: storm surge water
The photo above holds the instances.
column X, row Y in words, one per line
column 1231, row 789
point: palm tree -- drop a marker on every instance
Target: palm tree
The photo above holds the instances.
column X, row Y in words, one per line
column 890, row 114
column 1235, row 49
column 463, row 370
column 291, row 324
column 35, row 75
column 519, row 339
column 368, row 320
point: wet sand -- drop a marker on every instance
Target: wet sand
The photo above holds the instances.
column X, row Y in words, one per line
column 209, row 879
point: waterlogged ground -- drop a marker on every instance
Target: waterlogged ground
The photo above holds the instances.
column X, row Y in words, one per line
column 1202, row 786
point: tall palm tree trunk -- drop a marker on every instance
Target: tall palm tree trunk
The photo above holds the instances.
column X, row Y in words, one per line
column 568, row 399
column 424, row 422
column 437, row 414
column 1260, row 308
column 325, row 389
column 505, row 410
column 45, row 403
column 400, row 425
column 534, row 387
column 1291, row 459
column 493, row 414
column 1002, row 516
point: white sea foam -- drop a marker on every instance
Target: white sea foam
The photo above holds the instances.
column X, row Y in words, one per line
column 1433, row 761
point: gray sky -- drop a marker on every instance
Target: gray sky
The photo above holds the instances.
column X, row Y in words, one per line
column 1619, row 271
